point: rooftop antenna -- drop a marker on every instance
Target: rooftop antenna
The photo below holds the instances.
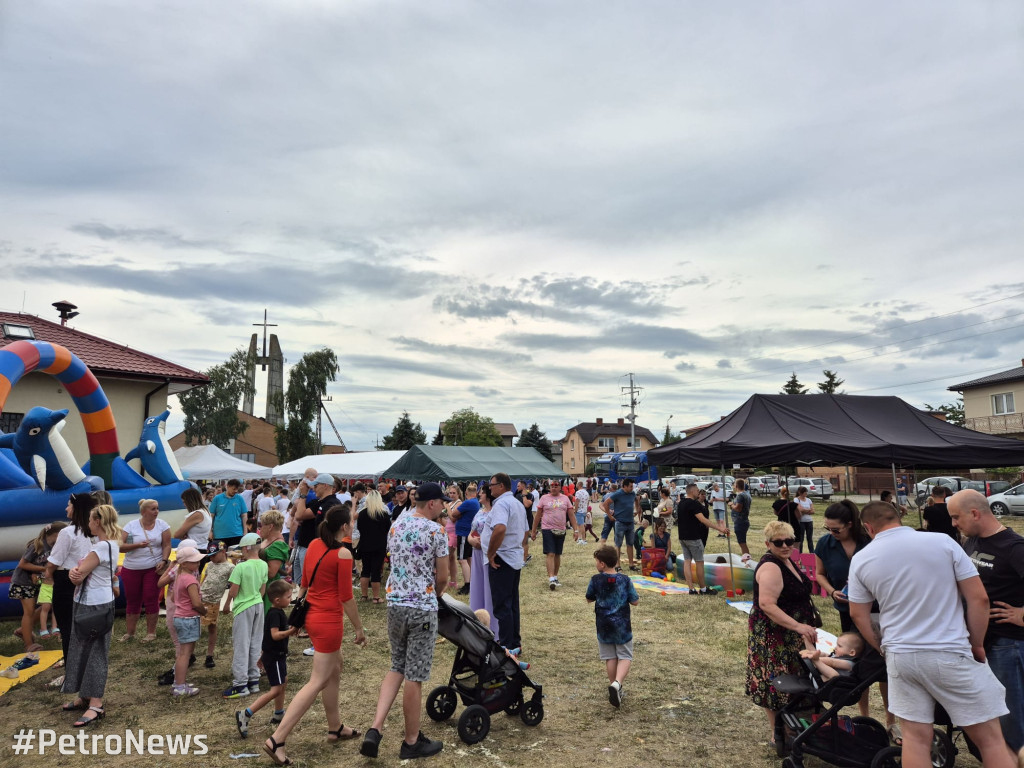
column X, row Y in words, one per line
column 65, row 308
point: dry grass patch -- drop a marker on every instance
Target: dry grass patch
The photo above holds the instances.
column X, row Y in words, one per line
column 684, row 697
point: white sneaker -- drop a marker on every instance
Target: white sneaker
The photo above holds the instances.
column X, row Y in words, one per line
column 615, row 694
column 309, row 651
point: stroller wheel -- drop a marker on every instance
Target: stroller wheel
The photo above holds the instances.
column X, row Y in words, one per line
column 513, row 708
column 890, row 757
column 943, row 751
column 474, row 724
column 441, row 703
column 532, row 712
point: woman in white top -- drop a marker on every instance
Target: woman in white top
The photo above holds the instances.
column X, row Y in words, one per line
column 805, row 510
column 146, row 543
column 198, row 524
column 96, row 581
column 71, row 546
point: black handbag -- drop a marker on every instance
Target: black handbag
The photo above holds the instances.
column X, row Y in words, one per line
column 297, row 618
column 98, row 624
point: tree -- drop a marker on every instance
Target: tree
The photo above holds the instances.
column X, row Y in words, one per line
column 307, row 384
column 211, row 411
column 438, row 438
column 404, row 435
column 534, row 438
column 831, row 384
column 954, row 411
column 793, row 387
column 467, row 427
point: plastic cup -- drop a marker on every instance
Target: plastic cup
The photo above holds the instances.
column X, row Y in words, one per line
column 729, row 593
column 739, row 591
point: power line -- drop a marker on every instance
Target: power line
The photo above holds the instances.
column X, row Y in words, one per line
column 928, row 381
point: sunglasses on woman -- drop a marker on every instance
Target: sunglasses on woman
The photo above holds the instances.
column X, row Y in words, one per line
column 783, row 542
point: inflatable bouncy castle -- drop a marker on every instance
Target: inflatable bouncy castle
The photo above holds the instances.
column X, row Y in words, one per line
column 38, row 472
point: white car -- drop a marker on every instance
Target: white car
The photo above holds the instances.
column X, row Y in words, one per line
column 816, row 486
column 949, row 481
column 1009, row 502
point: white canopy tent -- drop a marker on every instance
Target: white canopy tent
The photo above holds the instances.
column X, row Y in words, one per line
column 347, row 466
column 208, row 462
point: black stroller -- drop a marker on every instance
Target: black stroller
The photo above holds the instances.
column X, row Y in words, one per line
column 810, row 723
column 483, row 675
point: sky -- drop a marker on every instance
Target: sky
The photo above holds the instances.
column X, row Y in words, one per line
column 512, row 206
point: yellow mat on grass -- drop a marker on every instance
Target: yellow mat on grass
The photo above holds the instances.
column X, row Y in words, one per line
column 46, row 660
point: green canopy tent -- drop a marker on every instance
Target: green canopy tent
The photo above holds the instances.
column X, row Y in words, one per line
column 456, row 462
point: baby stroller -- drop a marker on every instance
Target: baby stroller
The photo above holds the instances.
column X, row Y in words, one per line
column 810, row 723
column 486, row 678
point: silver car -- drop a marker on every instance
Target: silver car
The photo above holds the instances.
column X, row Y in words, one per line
column 1009, row 502
column 817, row 487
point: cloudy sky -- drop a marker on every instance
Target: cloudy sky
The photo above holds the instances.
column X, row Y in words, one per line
column 510, row 206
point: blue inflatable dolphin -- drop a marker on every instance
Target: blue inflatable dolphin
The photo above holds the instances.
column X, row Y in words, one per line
column 155, row 452
column 42, row 452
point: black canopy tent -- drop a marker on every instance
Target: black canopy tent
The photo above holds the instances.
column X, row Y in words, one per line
column 835, row 430
column 451, row 462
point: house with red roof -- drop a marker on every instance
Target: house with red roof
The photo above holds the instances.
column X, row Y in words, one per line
column 136, row 383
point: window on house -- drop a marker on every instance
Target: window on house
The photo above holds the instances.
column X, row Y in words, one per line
column 572, row 445
column 606, row 443
column 572, row 463
column 15, row 331
column 250, row 457
column 9, row 422
column 1002, row 404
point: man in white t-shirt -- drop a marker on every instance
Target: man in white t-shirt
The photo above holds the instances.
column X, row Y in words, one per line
column 582, row 502
column 265, row 502
column 931, row 652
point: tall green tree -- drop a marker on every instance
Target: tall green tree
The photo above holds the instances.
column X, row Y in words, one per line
column 954, row 411
column 438, row 438
column 534, row 438
column 307, row 384
column 467, row 427
column 211, row 411
column 404, row 435
column 831, row 384
column 793, row 387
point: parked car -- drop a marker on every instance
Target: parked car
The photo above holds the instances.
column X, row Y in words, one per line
column 704, row 481
column 816, row 486
column 949, row 481
column 1009, row 502
column 757, row 485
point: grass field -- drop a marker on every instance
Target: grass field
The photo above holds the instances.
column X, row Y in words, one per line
column 684, row 704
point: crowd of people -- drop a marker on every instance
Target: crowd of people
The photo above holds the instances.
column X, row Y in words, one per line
column 244, row 551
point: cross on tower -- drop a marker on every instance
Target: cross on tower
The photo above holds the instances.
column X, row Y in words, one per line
column 263, row 360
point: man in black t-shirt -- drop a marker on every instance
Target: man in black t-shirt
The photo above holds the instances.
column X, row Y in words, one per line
column 308, row 516
column 693, row 524
column 998, row 554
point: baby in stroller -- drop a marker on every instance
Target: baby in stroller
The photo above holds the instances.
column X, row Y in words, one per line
column 849, row 647
column 484, row 675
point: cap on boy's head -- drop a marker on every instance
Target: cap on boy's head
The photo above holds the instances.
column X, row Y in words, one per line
column 401, row 489
column 324, row 479
column 188, row 555
column 216, row 546
column 429, row 492
column 249, row 540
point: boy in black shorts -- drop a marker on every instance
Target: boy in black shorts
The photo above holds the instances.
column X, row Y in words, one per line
column 275, row 650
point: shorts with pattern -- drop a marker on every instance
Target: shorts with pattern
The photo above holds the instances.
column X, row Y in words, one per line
column 615, row 650
column 187, row 629
column 693, row 549
column 412, row 632
column 210, row 619
column 21, row 592
column 276, row 668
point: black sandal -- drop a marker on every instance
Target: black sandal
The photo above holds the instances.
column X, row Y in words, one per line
column 339, row 736
column 272, row 751
column 84, row 721
column 78, row 705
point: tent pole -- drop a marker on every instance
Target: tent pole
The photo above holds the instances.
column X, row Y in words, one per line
column 894, row 480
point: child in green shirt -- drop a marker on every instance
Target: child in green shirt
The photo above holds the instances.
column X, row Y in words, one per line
column 245, row 600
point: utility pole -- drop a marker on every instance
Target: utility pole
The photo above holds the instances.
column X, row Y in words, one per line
column 633, row 391
column 320, row 421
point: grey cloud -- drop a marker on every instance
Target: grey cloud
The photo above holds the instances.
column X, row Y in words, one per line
column 413, row 344
column 484, row 391
column 682, row 365
column 400, row 365
column 723, row 363
column 157, row 235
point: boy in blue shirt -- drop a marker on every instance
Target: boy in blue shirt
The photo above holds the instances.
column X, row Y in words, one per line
column 613, row 593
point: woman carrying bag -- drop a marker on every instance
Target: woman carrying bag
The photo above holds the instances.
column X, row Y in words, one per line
column 93, row 618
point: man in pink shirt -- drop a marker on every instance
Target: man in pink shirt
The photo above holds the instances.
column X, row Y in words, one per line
column 554, row 515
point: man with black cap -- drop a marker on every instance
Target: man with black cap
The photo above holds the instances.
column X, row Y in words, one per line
column 419, row 573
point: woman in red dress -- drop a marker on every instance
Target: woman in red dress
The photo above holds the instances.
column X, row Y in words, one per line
column 327, row 583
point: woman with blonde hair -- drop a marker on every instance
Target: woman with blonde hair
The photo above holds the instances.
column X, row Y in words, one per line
column 782, row 620
column 454, row 494
column 96, row 585
column 274, row 549
column 373, row 523
column 198, row 524
column 146, row 543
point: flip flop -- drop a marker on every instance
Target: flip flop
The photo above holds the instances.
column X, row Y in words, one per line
column 272, row 751
column 125, row 638
column 148, row 639
column 895, row 734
